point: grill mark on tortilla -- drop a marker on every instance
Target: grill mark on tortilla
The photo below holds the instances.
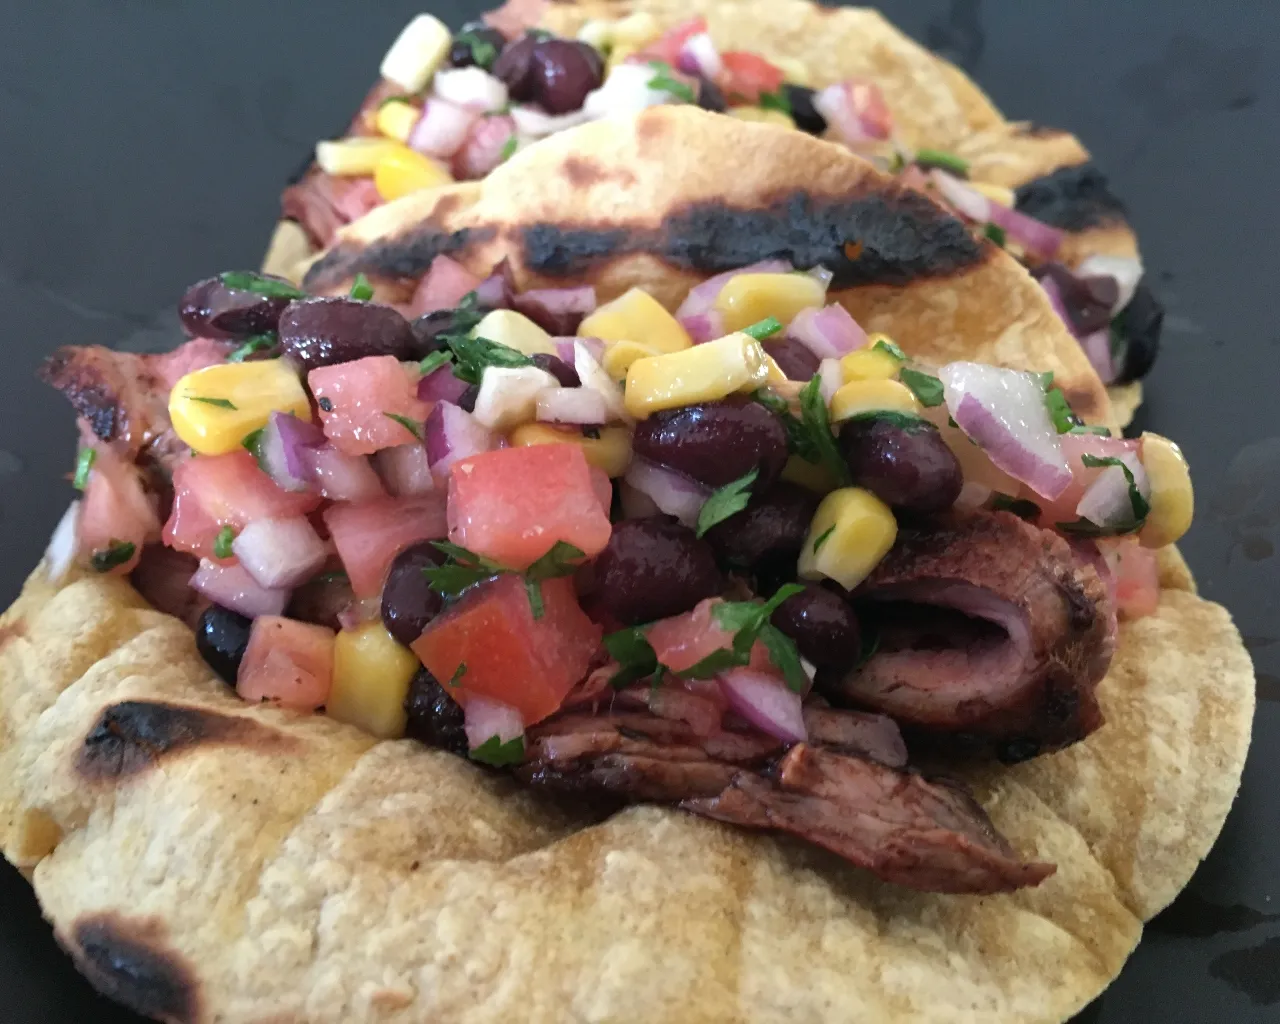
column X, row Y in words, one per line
column 132, row 736
column 583, row 172
column 899, row 236
column 11, row 632
column 406, row 256
column 1072, row 198
column 126, row 960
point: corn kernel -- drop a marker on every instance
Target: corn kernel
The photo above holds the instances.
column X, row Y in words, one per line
column 996, row 193
column 596, row 33
column 619, row 356
column 356, row 156
column 404, row 171
column 776, row 376
column 811, row 476
column 870, row 364
column 214, row 409
column 750, row 298
column 863, row 396
column 611, row 451
column 1172, row 496
column 371, row 675
column 517, row 331
column 418, row 51
column 762, row 116
column 636, row 316
column 851, row 531
column 635, row 29
column 796, row 71
column 704, row 373
column 396, row 118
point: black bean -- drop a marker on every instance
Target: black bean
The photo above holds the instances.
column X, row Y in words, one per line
column 773, row 524
column 803, row 112
column 715, row 443
column 907, row 466
column 210, row 309
column 822, row 624
column 1138, row 326
column 476, row 40
column 794, row 358
column 653, row 568
column 434, row 717
column 321, row 332
column 427, row 330
column 558, row 368
column 321, row 601
column 711, row 97
column 564, row 71
column 408, row 602
column 515, row 67
column 221, row 638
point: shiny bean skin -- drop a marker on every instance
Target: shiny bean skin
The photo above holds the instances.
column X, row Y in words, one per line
column 221, row 638
column 653, row 568
column 408, row 602
column 462, row 54
column 711, row 96
column 321, row 332
column 794, row 358
column 773, row 524
column 210, row 309
column 822, row 624
column 803, row 112
column 909, row 468
column 434, row 717
column 558, row 368
column 715, row 443
column 564, row 71
column 516, row 68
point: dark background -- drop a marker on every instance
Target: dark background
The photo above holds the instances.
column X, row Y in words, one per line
column 145, row 143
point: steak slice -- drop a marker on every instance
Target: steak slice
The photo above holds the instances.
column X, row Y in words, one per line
column 993, row 636
column 929, row 836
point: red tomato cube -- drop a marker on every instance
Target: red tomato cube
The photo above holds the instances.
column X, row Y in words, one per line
column 1135, row 576
column 747, row 75
column 370, row 534
column 233, row 491
column 115, row 509
column 1074, row 447
column 509, row 656
column 287, row 662
column 514, row 504
column 682, row 641
column 364, row 404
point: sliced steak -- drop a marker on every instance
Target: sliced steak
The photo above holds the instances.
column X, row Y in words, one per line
column 856, row 732
column 924, row 835
column 992, row 637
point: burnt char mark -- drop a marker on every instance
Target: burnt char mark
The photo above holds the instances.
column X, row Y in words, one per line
column 1071, row 198
column 133, row 736
column 893, row 239
column 127, row 961
column 407, row 257
column 92, row 398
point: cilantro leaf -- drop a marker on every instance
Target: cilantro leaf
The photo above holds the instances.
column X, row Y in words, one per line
column 84, row 463
column 727, row 501
column 1023, row 508
column 926, row 386
column 455, row 680
column 775, row 101
column 252, row 346
column 252, row 443
column 562, row 560
column 434, row 361
column 114, row 554
column 813, row 412
column 508, row 149
column 410, row 425
column 798, row 441
column 996, row 234
column 766, row 328
column 785, row 656
column 497, row 754
column 1045, row 378
column 473, row 355
column 462, row 570
column 247, row 281
column 361, row 289
column 890, row 346
column 898, row 419
column 823, row 537
column 1140, row 506
column 714, row 663
column 1090, row 428
column 944, row 160
column 634, row 655
column 1060, row 411
column 219, row 403
column 222, row 543
column 664, row 82
column 483, row 52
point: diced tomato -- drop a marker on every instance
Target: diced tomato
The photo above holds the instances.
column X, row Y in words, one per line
column 287, row 662
column 1135, row 573
column 233, row 491
column 485, row 147
column 443, row 287
column 115, row 510
column 668, row 46
column 747, row 75
column 509, row 656
column 682, row 641
column 514, row 504
column 190, row 528
column 1074, row 447
column 369, row 535
column 868, row 105
column 360, row 401
column 194, row 355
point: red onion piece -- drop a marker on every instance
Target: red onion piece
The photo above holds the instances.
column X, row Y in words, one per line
column 702, row 297
column 1124, row 270
column 635, row 503
column 492, row 292
column 674, row 494
column 405, row 470
column 1035, row 236
column 1097, row 346
column 284, row 440
column 830, row 377
column 582, row 406
column 280, row 553
column 699, row 56
column 443, row 287
column 61, row 552
column 564, row 348
column 484, row 719
column 1054, row 294
column 452, row 433
column 856, row 110
column 1003, row 411
column 764, row 701
column 440, row 385
column 471, row 88
column 342, row 477
column 829, row 332
column 1107, row 502
column 964, row 198
column 704, row 327
column 594, row 378
column 232, row 587
column 442, row 128
column 485, row 147
column 558, row 311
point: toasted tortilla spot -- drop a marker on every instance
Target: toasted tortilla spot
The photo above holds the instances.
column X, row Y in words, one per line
column 1072, row 198
column 127, row 961
column 582, row 172
column 10, row 632
column 406, row 256
column 134, row 735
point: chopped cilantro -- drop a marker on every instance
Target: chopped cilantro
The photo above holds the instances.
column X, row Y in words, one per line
column 1059, row 411
column 361, row 289
column 252, row 346
column 402, row 97
column 483, row 52
column 222, row 543
column 252, row 443
column 247, row 281
column 775, row 101
column 509, row 148
column 996, row 234
column 219, row 403
column 1090, row 428
column 473, row 355
column 1137, row 502
column 455, row 680
column 823, row 537
column 890, row 346
column 414, row 428
column 813, row 413
column 727, row 501
column 114, row 554
column 1045, row 379
column 84, row 463
column 562, row 560
column 634, row 655
column 766, row 328
column 1020, row 507
column 926, row 386
column 497, row 754
column 897, row 419
column 463, row 569
column 944, row 160
column 434, row 361
column 664, row 82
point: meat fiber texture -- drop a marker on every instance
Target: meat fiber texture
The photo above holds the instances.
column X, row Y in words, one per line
column 203, row 859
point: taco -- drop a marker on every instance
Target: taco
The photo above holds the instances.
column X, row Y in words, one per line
column 728, row 697
column 456, row 107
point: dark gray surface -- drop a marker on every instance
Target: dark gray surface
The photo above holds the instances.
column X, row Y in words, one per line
column 144, row 147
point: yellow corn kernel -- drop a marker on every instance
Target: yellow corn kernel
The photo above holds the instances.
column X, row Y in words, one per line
column 635, row 29
column 776, row 376
column 851, row 531
column 636, row 316
column 870, row 364
column 996, row 193
column 750, row 298
column 356, row 156
column 396, row 118
column 611, row 451
column 371, row 674
column 704, row 373
column 810, row 475
column 796, row 71
column 214, row 409
column 619, row 356
column 515, row 330
column 864, row 396
column 1172, row 497
column 403, row 171
column 419, row 50
column 762, row 116
column 597, row 33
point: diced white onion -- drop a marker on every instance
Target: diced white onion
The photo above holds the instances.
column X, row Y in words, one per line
column 625, row 91
column 484, row 719
column 61, row 553
column 280, row 553
column 509, row 395
column 674, row 494
column 472, row 88
column 593, row 376
column 582, row 406
column 1124, row 270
